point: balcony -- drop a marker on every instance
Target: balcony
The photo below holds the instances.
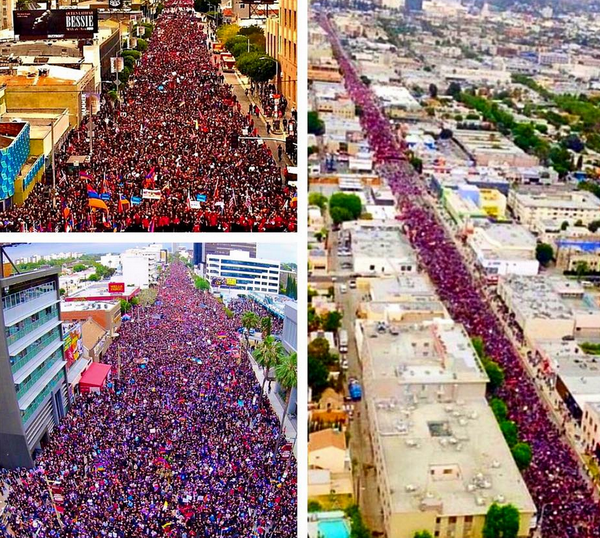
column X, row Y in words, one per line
column 26, row 400
column 28, row 364
column 26, row 336
column 15, row 310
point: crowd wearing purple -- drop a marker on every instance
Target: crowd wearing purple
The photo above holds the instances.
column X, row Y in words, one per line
column 554, row 478
column 178, row 444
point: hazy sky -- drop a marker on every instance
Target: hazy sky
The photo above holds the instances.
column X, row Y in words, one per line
column 285, row 252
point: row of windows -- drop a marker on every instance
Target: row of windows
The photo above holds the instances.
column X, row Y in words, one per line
column 25, row 296
column 23, row 387
column 23, row 357
column 249, row 264
column 25, row 415
column 22, row 328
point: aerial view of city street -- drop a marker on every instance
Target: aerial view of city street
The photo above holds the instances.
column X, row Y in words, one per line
column 148, row 391
column 148, row 116
column 454, row 265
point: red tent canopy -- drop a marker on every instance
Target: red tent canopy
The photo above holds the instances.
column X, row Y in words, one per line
column 94, row 378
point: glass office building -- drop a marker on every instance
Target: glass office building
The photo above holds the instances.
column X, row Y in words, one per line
column 33, row 388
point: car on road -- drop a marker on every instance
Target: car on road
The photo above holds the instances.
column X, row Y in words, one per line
column 352, row 284
column 343, row 288
column 346, row 265
column 354, row 389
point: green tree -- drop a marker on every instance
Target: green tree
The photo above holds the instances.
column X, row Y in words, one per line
column 142, row 45
column 94, row 278
column 318, row 199
column 350, row 202
column 201, row 283
column 522, row 454
column 453, row 89
column 499, row 409
column 495, row 374
column 78, row 267
column 501, row 522
column 249, row 321
column 544, row 253
column 266, row 324
column 318, row 377
column 319, row 349
column 423, row 534
column 267, row 355
column 564, row 225
column 510, row 431
column 581, row 269
column 315, row 125
column 125, row 306
column 593, row 226
column 332, row 321
column 286, row 373
column 227, row 31
column 340, row 214
column 314, row 506
column 62, row 291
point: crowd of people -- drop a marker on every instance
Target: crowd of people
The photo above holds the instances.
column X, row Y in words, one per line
column 178, row 444
column 169, row 156
column 564, row 498
column 243, row 304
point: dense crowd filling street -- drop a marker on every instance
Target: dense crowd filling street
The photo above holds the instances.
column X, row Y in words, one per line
column 563, row 498
column 176, row 132
column 179, row 444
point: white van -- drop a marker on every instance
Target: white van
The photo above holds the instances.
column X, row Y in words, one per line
column 343, row 288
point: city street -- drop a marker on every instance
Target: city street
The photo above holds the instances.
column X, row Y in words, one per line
column 177, row 443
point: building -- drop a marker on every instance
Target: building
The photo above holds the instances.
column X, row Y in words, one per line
column 329, row 465
column 492, row 148
column 107, row 314
column 77, row 364
column 96, row 340
column 33, row 378
column 6, row 16
column 591, row 428
column 37, row 88
column 380, row 247
column 202, row 250
column 239, row 272
column 281, row 36
column 413, row 5
column 139, row 266
column 105, row 291
column 550, row 307
column 530, row 206
column 504, row 249
column 441, row 458
column 112, row 261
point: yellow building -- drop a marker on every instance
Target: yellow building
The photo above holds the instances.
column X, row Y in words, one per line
column 29, row 89
column 281, row 43
column 493, row 202
column 6, row 21
column 330, row 472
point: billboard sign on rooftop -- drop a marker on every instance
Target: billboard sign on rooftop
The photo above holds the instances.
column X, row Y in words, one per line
column 34, row 24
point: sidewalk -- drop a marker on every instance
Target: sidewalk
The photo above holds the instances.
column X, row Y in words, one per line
column 290, row 425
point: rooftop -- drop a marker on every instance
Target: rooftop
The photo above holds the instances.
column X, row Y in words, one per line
column 373, row 241
column 559, row 199
column 459, row 461
column 391, row 289
column 437, row 352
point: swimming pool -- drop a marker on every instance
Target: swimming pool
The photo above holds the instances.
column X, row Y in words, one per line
column 333, row 528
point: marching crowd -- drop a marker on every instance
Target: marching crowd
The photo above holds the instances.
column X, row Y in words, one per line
column 564, row 499
column 169, row 156
column 241, row 305
column 178, row 444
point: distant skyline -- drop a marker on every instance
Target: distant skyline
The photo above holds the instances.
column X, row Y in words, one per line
column 284, row 252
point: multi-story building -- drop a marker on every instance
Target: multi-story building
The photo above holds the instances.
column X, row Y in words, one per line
column 106, row 313
column 238, row 271
column 281, row 43
column 531, row 206
column 202, row 250
column 6, row 20
column 440, row 456
column 33, row 378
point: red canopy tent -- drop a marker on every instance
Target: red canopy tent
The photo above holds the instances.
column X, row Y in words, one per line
column 94, row 378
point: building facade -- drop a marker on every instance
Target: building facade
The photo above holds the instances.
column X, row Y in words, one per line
column 202, row 250
column 33, row 379
column 6, row 17
column 238, row 271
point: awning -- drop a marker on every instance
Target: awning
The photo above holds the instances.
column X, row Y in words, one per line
column 94, row 378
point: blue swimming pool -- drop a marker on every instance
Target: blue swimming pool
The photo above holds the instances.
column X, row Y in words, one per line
column 334, row 528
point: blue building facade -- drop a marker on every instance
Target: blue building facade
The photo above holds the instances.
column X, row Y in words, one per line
column 13, row 157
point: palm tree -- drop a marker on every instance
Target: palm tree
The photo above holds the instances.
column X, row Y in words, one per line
column 268, row 354
column 249, row 321
column 286, row 372
column 265, row 325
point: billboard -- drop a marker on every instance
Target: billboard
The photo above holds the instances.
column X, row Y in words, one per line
column 116, row 287
column 222, row 282
column 35, row 24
